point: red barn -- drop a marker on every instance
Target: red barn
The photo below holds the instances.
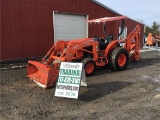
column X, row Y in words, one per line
column 30, row 27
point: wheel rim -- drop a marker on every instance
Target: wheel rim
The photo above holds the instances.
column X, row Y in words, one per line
column 89, row 68
column 122, row 60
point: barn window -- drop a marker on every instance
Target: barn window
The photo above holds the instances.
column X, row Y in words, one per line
column 124, row 34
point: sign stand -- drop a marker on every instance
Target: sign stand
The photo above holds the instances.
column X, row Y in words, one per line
column 77, row 103
column 71, row 77
column 83, row 78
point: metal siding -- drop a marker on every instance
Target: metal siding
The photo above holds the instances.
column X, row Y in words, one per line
column 27, row 26
column 69, row 26
column 25, row 29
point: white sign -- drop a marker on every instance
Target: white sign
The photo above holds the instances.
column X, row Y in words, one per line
column 69, row 80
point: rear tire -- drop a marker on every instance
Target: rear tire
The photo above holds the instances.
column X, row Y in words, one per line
column 118, row 59
column 89, row 66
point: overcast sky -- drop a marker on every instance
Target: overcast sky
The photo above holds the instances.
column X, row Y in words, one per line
column 145, row 10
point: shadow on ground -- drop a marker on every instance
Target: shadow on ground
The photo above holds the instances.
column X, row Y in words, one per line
column 143, row 63
column 98, row 90
column 131, row 65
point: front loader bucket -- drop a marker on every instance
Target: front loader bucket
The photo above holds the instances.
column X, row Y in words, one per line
column 44, row 76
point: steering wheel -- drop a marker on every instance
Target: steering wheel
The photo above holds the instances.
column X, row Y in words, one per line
column 109, row 38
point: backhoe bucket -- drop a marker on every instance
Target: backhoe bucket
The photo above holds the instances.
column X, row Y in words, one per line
column 44, row 76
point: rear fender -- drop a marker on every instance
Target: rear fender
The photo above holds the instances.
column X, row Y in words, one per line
column 111, row 46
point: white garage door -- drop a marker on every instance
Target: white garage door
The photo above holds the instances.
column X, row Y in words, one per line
column 69, row 26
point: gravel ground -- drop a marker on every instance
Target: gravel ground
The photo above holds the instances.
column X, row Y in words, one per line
column 133, row 94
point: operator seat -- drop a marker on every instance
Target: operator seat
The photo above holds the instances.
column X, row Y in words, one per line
column 104, row 42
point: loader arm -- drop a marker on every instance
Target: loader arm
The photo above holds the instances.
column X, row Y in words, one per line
column 77, row 48
column 132, row 43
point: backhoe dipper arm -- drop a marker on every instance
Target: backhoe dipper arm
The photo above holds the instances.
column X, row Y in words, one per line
column 132, row 43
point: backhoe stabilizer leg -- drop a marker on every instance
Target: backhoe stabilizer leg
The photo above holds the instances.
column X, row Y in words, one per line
column 135, row 56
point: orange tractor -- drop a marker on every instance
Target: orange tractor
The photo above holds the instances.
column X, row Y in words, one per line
column 91, row 52
column 157, row 38
column 152, row 40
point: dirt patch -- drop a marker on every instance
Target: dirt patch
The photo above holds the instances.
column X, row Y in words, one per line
column 131, row 94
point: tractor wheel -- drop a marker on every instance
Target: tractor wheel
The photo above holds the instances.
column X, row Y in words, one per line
column 89, row 66
column 118, row 59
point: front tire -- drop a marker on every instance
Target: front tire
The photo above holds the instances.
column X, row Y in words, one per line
column 118, row 59
column 89, row 66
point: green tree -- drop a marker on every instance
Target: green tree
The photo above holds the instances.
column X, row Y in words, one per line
column 154, row 29
column 147, row 30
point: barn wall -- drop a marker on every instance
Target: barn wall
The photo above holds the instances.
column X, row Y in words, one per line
column 27, row 26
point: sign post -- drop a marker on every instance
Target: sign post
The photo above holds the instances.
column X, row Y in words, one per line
column 69, row 80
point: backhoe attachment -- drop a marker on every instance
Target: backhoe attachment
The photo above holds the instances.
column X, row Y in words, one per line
column 132, row 43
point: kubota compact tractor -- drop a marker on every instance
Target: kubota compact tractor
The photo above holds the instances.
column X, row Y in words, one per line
column 91, row 52
column 152, row 40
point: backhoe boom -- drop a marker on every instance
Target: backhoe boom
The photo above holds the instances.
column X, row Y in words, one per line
column 132, row 42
